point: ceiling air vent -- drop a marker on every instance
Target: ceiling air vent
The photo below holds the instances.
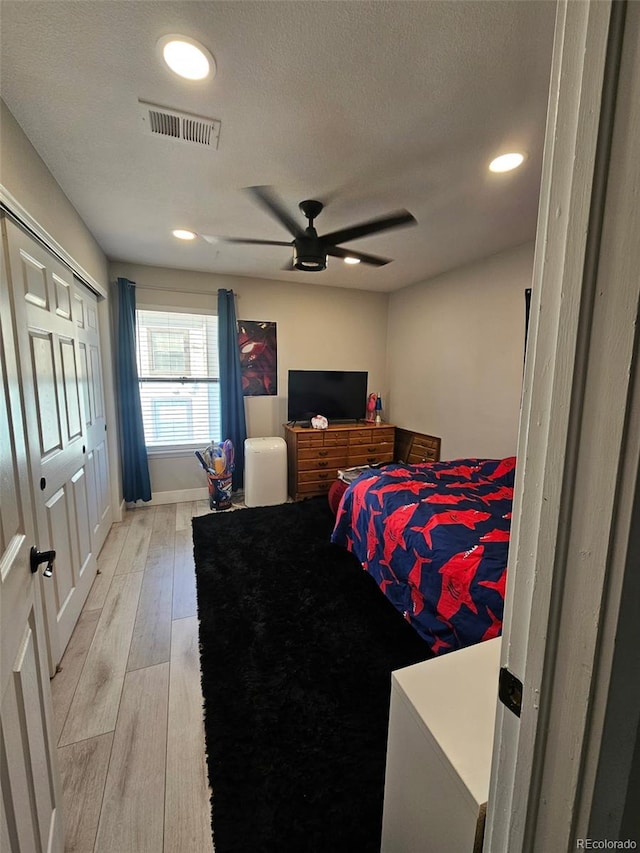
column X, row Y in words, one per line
column 174, row 124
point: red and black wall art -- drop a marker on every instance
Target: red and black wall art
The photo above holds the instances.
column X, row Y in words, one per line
column 258, row 358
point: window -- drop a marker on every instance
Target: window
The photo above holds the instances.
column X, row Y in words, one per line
column 179, row 377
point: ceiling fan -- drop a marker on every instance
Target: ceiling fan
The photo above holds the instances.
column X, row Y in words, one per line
column 310, row 251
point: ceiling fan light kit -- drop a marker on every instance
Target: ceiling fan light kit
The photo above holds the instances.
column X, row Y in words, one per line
column 310, row 260
column 310, row 251
column 183, row 234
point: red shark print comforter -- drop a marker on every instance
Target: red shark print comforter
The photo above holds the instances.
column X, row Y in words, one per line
column 435, row 538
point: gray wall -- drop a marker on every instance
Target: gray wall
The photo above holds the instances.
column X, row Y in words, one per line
column 456, row 355
column 24, row 174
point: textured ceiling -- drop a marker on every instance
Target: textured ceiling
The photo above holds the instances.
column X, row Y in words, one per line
column 366, row 106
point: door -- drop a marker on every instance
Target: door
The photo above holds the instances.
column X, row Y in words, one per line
column 90, row 369
column 563, row 770
column 42, row 292
column 30, row 818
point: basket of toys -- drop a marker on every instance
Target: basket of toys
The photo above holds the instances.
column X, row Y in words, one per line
column 218, row 461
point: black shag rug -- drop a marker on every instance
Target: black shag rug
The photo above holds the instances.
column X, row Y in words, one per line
column 297, row 645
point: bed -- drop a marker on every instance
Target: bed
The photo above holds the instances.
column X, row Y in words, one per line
column 435, row 538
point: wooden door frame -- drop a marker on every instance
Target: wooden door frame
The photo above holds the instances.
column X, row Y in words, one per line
column 561, row 772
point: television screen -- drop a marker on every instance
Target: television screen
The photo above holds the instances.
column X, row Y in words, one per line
column 339, row 395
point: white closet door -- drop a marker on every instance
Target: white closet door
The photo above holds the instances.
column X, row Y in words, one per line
column 90, row 368
column 30, row 815
column 43, row 301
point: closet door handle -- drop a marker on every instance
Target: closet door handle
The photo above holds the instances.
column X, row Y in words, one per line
column 36, row 557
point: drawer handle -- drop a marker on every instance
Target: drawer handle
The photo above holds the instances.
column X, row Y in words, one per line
column 324, row 475
column 371, row 449
column 371, row 460
column 322, row 464
column 323, row 453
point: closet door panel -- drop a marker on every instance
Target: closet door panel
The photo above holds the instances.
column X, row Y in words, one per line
column 30, row 814
column 50, row 366
column 97, row 469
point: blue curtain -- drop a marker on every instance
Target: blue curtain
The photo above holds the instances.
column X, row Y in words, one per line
column 231, row 398
column 136, row 484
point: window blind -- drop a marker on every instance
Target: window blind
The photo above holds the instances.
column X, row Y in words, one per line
column 179, row 377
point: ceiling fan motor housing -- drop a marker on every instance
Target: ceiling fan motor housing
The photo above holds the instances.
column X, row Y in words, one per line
column 309, row 254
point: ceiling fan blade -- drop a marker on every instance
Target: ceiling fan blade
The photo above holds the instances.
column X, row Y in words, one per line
column 393, row 220
column 255, row 242
column 272, row 204
column 373, row 260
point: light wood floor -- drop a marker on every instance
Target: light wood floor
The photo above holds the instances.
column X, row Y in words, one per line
column 127, row 701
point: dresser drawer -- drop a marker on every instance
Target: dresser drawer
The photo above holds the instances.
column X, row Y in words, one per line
column 333, row 462
column 315, row 488
column 426, row 446
column 370, row 447
column 363, row 458
column 373, row 435
column 322, row 452
column 312, row 438
column 360, row 436
column 336, row 439
column 317, row 476
column 426, row 454
column 416, row 447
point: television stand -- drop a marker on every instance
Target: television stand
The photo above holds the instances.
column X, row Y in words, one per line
column 315, row 455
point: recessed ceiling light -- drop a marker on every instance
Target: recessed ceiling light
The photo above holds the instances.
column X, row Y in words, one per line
column 352, row 260
column 187, row 57
column 506, row 162
column 183, row 234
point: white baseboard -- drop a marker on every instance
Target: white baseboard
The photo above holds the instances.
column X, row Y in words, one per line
column 179, row 496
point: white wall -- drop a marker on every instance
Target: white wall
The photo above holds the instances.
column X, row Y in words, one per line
column 456, row 353
column 317, row 328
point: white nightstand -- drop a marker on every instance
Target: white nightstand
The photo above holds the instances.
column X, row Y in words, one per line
column 441, row 725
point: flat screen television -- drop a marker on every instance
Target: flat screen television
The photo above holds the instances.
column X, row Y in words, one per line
column 339, row 395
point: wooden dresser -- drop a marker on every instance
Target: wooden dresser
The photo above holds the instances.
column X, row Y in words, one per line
column 415, row 447
column 315, row 455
